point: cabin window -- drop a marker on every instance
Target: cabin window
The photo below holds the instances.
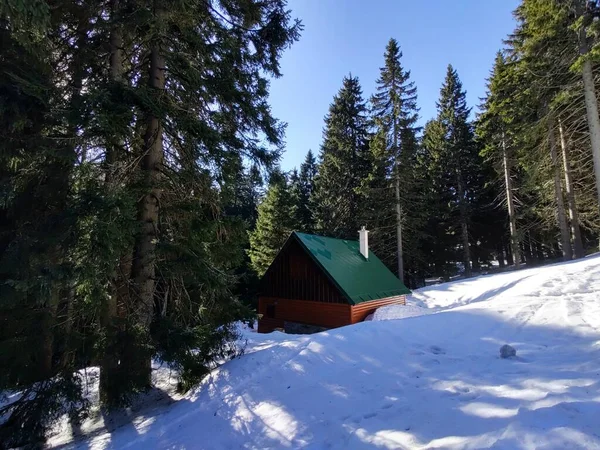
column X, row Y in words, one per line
column 271, row 311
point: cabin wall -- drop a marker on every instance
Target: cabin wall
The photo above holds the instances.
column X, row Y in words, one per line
column 295, row 276
column 359, row 312
column 328, row 315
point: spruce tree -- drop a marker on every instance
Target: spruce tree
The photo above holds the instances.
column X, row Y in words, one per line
column 344, row 163
column 394, row 109
column 274, row 225
column 455, row 163
column 306, row 187
column 440, row 244
column 191, row 129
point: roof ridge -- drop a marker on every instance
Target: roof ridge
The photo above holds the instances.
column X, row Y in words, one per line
column 324, row 237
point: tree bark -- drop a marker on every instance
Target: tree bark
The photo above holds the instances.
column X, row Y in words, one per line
column 573, row 212
column 589, row 91
column 464, row 227
column 144, row 255
column 561, row 217
column 510, row 201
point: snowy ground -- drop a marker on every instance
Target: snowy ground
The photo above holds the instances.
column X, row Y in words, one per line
column 431, row 381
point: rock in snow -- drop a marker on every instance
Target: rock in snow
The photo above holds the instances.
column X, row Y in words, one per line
column 507, row 351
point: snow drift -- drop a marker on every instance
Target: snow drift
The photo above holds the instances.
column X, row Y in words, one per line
column 395, row 312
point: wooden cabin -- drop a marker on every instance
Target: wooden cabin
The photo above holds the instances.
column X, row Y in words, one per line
column 320, row 282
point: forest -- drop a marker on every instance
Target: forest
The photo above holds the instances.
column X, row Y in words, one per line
column 141, row 195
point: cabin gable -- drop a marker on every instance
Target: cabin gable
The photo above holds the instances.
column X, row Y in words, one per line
column 294, row 275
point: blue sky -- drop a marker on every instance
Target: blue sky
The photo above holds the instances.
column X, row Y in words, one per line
column 349, row 36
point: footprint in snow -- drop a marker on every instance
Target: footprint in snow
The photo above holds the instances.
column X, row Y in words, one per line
column 437, row 350
column 459, row 392
column 433, row 362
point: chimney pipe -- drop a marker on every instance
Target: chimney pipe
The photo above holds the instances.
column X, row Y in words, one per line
column 363, row 238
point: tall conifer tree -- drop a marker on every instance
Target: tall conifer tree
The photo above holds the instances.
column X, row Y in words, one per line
column 455, row 163
column 394, row 109
column 306, row 181
column 273, row 226
column 344, row 163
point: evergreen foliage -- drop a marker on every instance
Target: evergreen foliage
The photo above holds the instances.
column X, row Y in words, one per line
column 123, row 224
column 393, row 189
column 454, row 171
column 344, row 162
column 274, row 225
column 303, row 193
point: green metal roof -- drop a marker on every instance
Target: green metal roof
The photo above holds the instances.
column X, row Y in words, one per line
column 359, row 279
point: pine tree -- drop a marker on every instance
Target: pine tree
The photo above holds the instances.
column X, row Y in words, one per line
column 273, row 226
column 344, row 163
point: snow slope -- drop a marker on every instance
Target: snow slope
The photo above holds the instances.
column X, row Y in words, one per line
column 432, row 381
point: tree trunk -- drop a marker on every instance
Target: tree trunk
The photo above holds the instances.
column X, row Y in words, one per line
column 398, row 204
column 399, row 231
column 500, row 255
column 509, row 255
column 561, row 217
column 49, row 324
column 539, row 250
column 573, row 212
column 510, row 201
column 112, row 376
column 555, row 250
column 532, row 248
column 464, row 224
column 144, row 255
column 526, row 250
column 589, row 91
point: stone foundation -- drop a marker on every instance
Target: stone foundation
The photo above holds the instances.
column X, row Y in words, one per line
column 301, row 328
